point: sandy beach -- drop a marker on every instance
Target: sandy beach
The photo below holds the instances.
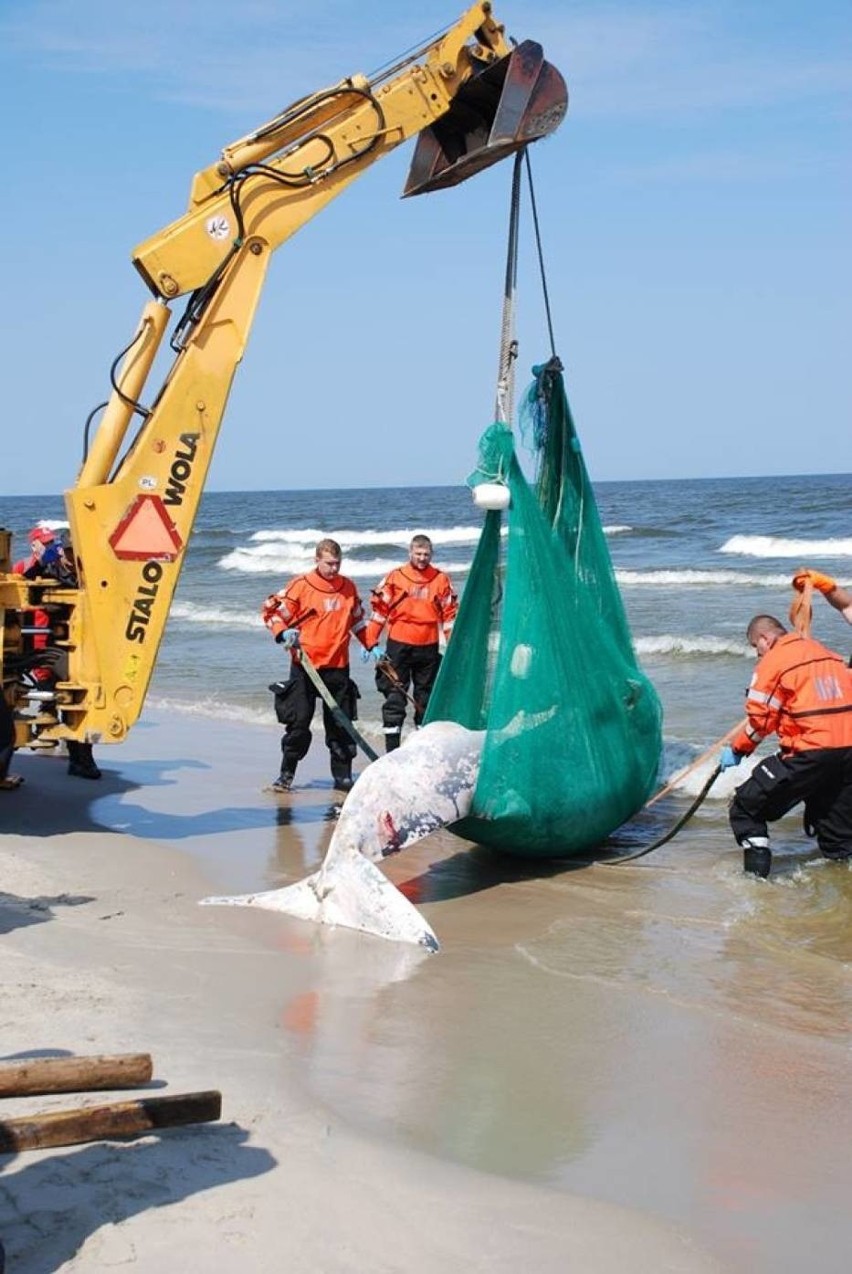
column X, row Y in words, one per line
column 106, row 951
column 642, row 1068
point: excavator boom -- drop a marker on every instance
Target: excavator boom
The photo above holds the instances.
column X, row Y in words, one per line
column 471, row 98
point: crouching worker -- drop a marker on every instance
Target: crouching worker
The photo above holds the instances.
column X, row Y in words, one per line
column 801, row 691
column 317, row 612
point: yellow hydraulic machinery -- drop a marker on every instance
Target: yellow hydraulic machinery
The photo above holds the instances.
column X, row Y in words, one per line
column 472, row 97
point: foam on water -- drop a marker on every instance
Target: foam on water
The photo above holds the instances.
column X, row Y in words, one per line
column 276, row 558
column 669, row 644
column 215, row 709
column 348, row 540
column 190, row 613
column 700, row 579
column 777, row 546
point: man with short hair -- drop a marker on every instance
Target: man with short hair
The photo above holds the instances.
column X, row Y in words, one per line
column 802, row 691
column 418, row 605
column 316, row 612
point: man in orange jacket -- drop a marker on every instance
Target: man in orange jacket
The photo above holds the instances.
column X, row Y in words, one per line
column 317, row 612
column 418, row 605
column 801, row 691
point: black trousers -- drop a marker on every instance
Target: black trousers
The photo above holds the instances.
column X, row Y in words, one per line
column 301, row 701
column 7, row 735
column 416, row 667
column 822, row 779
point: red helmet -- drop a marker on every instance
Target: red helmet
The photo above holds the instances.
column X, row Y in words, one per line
column 42, row 535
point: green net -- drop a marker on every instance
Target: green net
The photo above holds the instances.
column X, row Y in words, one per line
column 542, row 657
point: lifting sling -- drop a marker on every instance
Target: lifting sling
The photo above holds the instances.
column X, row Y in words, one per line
column 547, row 665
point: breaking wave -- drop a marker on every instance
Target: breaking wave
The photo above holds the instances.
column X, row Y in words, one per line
column 775, row 546
column 208, row 615
column 701, row 579
column 274, row 558
column 667, row 644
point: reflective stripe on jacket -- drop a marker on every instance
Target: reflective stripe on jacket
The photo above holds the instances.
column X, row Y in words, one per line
column 417, row 606
column 802, row 691
column 326, row 612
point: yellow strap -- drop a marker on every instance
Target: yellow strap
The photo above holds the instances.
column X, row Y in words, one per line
column 801, row 609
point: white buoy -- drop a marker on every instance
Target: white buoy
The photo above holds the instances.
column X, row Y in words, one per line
column 491, row 495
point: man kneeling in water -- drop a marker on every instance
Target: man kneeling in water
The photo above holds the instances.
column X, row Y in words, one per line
column 801, row 691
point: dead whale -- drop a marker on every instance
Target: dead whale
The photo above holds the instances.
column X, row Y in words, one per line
column 426, row 784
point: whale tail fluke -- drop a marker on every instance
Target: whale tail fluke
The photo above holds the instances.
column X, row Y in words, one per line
column 352, row 892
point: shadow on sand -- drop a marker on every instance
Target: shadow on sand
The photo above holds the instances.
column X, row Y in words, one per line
column 17, row 912
column 53, row 1204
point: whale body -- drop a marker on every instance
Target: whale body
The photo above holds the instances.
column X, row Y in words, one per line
column 426, row 784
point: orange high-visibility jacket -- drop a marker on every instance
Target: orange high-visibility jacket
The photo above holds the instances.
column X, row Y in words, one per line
column 325, row 612
column 802, row 691
column 415, row 605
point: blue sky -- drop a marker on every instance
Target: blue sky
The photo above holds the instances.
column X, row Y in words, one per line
column 694, row 205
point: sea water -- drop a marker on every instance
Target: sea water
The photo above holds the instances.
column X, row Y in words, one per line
column 694, row 560
column 668, row 1035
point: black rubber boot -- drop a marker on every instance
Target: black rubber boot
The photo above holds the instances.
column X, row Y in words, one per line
column 283, row 783
column 757, row 856
column 341, row 773
column 392, row 741
column 81, row 763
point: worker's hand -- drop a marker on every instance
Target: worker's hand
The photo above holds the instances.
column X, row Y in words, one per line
column 823, row 583
column 289, row 639
column 374, row 655
column 728, row 758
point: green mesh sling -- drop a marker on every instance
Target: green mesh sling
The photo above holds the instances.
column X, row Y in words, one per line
column 542, row 658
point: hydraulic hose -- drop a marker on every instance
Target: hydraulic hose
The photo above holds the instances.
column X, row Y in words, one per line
column 673, row 831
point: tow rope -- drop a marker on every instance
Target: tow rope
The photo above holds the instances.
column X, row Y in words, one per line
column 673, row 831
column 801, row 609
column 801, row 616
column 334, row 707
column 393, row 677
column 694, row 807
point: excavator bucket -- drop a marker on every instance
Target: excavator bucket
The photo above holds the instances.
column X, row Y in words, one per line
column 510, row 103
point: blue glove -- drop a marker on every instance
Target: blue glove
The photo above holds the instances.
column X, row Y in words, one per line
column 289, row 638
column 728, row 758
column 374, row 655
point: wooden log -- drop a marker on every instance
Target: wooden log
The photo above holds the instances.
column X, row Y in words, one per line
column 74, row 1074
column 104, row 1123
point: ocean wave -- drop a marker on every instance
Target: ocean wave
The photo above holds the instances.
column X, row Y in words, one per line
column 215, row 708
column 349, row 540
column 668, row 644
column 777, row 546
column 700, row 578
column 271, row 558
column 307, row 537
column 246, row 714
column 215, row 616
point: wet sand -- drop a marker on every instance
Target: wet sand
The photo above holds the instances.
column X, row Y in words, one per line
column 603, row 1069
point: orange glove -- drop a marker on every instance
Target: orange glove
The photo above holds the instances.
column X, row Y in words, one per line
column 823, row 583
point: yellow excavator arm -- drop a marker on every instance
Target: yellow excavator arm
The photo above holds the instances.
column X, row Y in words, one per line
column 472, row 98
